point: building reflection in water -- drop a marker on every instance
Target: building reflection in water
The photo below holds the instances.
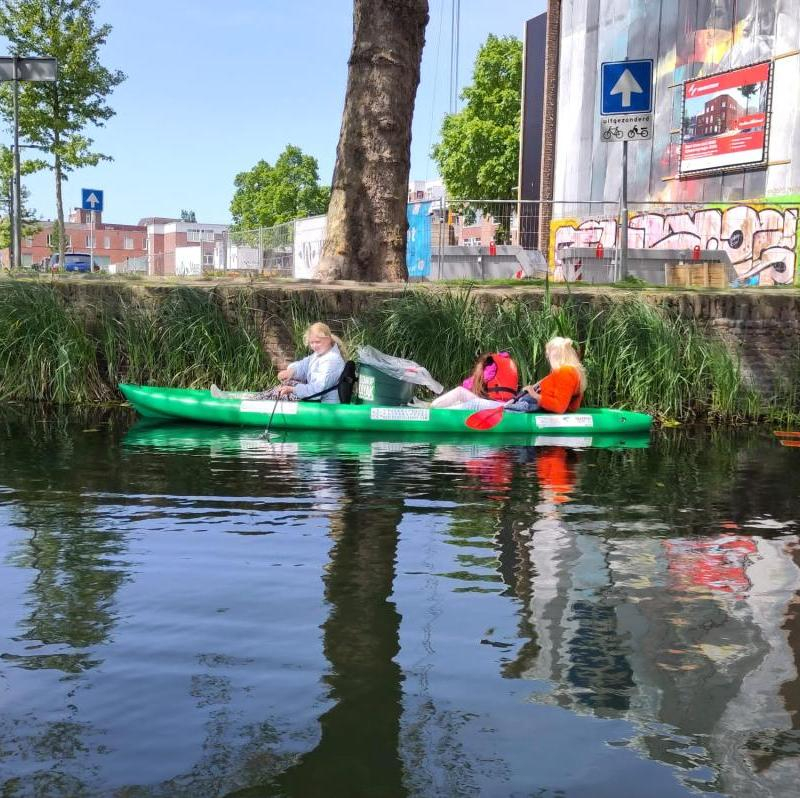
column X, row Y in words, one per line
column 682, row 636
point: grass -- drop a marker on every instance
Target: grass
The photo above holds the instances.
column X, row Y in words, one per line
column 45, row 350
column 638, row 355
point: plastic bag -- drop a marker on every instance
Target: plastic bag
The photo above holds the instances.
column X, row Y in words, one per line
column 397, row 367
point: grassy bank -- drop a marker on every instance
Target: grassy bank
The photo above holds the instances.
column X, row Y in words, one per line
column 638, row 355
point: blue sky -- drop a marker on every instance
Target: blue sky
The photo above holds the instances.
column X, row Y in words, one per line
column 214, row 87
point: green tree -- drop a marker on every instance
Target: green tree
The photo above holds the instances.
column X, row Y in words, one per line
column 28, row 216
column 478, row 155
column 188, row 216
column 268, row 195
column 747, row 92
column 56, row 115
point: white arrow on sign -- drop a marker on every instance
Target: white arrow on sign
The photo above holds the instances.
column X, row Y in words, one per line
column 92, row 200
column 626, row 85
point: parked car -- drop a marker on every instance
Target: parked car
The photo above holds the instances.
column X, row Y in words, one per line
column 73, row 262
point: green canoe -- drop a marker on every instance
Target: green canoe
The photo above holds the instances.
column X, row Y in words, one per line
column 198, row 405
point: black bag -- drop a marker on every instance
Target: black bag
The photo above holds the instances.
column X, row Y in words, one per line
column 344, row 385
column 347, row 382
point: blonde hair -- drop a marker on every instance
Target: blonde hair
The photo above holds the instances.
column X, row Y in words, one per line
column 320, row 329
column 561, row 352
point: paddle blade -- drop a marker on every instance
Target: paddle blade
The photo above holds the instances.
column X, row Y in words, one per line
column 485, row 419
column 785, row 433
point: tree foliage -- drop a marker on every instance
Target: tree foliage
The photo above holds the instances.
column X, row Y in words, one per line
column 56, row 115
column 188, row 215
column 28, row 216
column 268, row 195
column 478, row 155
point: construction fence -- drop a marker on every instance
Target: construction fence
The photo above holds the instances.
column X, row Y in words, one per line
column 751, row 243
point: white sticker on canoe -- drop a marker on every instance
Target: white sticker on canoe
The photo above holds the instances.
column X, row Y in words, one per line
column 562, row 440
column 399, row 414
column 567, row 420
column 267, row 405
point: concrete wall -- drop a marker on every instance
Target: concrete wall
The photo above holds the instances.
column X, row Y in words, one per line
column 582, row 263
column 475, row 263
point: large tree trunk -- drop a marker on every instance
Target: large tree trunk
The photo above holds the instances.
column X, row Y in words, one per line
column 366, row 235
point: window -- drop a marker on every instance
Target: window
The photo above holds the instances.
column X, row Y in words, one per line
column 90, row 242
column 208, row 235
column 106, row 242
column 208, row 259
column 128, row 243
column 28, row 241
column 52, row 240
column 144, row 244
column 193, row 235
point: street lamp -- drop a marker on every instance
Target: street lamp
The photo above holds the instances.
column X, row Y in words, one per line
column 15, row 68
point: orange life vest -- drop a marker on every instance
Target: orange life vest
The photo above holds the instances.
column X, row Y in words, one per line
column 505, row 383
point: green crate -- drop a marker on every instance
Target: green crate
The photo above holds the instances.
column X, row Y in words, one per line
column 377, row 388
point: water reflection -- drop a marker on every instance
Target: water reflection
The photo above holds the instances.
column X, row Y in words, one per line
column 312, row 615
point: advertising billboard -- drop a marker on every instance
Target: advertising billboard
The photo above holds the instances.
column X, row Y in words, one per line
column 726, row 120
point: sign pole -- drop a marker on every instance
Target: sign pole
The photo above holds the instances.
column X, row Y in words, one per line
column 91, row 241
column 623, row 230
column 16, row 221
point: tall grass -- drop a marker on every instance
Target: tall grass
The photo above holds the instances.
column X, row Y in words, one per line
column 191, row 339
column 45, row 350
column 637, row 355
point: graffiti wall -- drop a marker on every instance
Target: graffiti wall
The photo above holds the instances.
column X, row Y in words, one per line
column 761, row 241
column 687, row 39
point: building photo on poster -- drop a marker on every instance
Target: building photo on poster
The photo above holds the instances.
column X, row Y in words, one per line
column 725, row 120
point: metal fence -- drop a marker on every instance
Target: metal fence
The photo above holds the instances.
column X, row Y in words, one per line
column 484, row 239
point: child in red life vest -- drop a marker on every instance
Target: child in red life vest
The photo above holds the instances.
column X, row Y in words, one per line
column 562, row 390
column 493, row 381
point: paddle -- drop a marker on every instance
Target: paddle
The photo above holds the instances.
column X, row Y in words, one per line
column 491, row 416
column 786, row 433
column 485, row 419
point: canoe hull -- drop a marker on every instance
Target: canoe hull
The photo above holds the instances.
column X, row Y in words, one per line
column 199, row 406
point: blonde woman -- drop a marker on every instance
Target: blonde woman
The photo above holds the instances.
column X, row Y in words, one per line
column 318, row 372
column 314, row 376
column 562, row 390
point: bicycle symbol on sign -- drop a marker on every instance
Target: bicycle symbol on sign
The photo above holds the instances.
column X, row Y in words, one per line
column 612, row 131
column 642, row 132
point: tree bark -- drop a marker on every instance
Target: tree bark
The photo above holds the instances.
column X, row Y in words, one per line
column 366, row 233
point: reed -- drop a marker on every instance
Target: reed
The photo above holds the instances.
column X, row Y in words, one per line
column 637, row 355
column 191, row 339
column 45, row 351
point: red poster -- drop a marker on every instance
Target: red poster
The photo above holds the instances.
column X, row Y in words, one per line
column 725, row 120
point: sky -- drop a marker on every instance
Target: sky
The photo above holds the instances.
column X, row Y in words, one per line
column 214, row 87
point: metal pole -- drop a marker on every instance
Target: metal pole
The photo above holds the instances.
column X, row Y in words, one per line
column 91, row 241
column 11, row 212
column 623, row 233
column 16, row 221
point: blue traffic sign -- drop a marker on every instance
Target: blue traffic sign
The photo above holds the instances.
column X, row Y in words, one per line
column 91, row 199
column 626, row 87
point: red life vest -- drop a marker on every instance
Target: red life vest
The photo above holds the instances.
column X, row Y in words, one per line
column 505, row 383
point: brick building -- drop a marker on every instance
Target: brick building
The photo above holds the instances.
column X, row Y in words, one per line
column 719, row 116
column 110, row 242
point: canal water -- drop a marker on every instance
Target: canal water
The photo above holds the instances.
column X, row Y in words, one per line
column 190, row 611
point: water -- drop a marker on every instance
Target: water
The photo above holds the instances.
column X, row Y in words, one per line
column 190, row 611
